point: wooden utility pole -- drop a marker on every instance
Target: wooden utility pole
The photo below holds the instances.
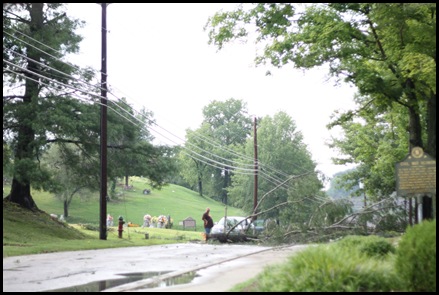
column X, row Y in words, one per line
column 103, row 195
column 255, row 190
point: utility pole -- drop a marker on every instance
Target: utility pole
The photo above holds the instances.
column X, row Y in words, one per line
column 255, row 190
column 103, row 195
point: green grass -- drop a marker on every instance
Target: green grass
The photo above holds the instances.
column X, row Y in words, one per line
column 26, row 232
column 327, row 268
column 173, row 200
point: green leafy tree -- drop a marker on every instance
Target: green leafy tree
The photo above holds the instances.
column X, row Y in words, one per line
column 38, row 82
column 128, row 140
column 66, row 164
column 386, row 50
column 287, row 181
column 374, row 142
column 194, row 158
column 336, row 190
column 123, row 132
column 175, row 176
column 130, row 151
column 49, row 101
column 228, row 125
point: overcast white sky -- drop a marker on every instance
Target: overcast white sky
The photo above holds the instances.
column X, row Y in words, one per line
column 158, row 57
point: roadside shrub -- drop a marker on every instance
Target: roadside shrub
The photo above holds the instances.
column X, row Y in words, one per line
column 377, row 247
column 329, row 269
column 416, row 257
column 371, row 246
column 351, row 242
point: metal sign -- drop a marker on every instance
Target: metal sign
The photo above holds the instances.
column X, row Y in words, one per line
column 416, row 174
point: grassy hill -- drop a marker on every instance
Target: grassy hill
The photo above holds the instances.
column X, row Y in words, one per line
column 132, row 205
column 26, row 232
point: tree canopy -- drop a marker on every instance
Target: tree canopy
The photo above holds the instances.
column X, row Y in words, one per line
column 386, row 50
column 47, row 101
column 226, row 125
column 286, row 172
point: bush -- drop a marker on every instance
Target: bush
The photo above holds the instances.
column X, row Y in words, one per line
column 351, row 242
column 377, row 247
column 371, row 246
column 416, row 257
column 329, row 269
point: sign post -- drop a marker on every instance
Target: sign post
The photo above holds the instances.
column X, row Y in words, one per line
column 416, row 177
column 416, row 174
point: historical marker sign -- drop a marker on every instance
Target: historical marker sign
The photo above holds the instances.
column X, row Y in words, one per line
column 416, row 174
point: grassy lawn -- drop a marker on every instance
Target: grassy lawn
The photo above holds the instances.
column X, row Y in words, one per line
column 26, row 232
column 173, row 200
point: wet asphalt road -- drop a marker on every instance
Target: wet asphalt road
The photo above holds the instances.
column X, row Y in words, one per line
column 217, row 267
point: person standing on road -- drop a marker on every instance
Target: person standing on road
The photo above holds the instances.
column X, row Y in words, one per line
column 208, row 222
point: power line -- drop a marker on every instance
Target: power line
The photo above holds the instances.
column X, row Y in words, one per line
column 205, row 139
column 193, row 153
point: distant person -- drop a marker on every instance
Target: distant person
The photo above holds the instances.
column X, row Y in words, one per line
column 109, row 220
column 146, row 220
column 208, row 222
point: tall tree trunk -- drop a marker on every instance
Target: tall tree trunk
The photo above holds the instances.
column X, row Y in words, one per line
column 66, row 209
column 200, row 169
column 21, row 182
column 415, row 131
column 431, row 126
column 430, row 149
column 200, row 186
column 20, row 194
column 415, row 128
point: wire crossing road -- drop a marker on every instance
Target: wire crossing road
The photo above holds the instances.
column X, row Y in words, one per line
column 218, row 267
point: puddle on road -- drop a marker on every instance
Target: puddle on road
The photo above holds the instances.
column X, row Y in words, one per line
column 185, row 278
column 130, row 277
